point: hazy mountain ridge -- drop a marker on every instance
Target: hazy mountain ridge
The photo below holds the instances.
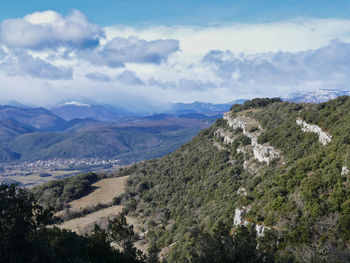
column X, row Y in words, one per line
column 100, row 131
column 73, row 109
column 9, row 128
column 131, row 141
column 39, row 118
column 22, row 128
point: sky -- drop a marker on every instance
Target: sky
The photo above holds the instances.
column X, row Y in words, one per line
column 142, row 54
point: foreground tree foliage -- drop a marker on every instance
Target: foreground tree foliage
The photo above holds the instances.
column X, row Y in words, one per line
column 25, row 236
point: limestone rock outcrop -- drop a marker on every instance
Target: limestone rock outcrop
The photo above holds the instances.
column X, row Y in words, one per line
column 262, row 153
column 238, row 221
column 323, row 137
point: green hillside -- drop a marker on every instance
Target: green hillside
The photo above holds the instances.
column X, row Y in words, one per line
column 127, row 143
column 205, row 201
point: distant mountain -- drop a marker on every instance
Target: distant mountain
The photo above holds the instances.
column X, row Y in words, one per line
column 39, row 118
column 77, row 124
column 318, row 96
column 6, row 155
column 138, row 141
column 193, row 116
column 37, row 133
column 10, row 128
column 199, row 116
column 198, row 107
column 18, row 104
column 73, row 109
column 157, row 117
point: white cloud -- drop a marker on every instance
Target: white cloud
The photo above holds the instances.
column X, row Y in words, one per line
column 118, row 51
column 129, row 77
column 97, row 76
column 294, row 36
column 130, row 66
column 21, row 64
column 50, row 30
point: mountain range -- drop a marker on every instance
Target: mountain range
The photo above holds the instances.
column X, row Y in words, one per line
column 73, row 110
column 75, row 129
column 79, row 130
column 317, row 96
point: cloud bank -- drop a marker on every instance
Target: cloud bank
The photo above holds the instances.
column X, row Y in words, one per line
column 118, row 51
column 61, row 57
column 50, row 30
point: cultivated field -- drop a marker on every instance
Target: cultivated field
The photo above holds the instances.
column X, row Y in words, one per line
column 86, row 223
column 104, row 193
column 106, row 190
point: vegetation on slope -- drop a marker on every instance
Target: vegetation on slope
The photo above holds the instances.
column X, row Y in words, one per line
column 56, row 194
column 303, row 198
column 100, row 141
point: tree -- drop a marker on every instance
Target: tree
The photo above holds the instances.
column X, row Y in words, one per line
column 122, row 234
column 25, row 236
column 20, row 221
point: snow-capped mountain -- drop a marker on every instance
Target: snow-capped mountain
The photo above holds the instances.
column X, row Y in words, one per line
column 74, row 103
column 74, row 109
column 317, row 96
column 202, row 107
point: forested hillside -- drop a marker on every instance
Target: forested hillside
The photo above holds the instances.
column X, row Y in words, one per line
column 267, row 183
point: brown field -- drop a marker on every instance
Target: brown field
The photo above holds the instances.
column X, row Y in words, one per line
column 106, row 190
column 82, row 225
column 32, row 180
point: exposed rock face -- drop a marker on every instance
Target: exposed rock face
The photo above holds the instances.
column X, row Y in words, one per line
column 228, row 138
column 238, row 221
column 344, row 170
column 261, row 152
column 235, row 123
column 242, row 191
column 260, row 229
column 323, row 137
column 264, row 153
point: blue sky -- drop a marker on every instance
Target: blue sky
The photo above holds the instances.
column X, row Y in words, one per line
column 142, row 53
column 194, row 12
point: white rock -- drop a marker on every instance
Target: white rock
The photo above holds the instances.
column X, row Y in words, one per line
column 344, row 170
column 221, row 133
column 323, row 137
column 242, row 191
column 237, row 220
column 265, row 153
column 261, row 152
column 260, row 229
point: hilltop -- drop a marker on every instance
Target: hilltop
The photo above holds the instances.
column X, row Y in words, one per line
column 278, row 169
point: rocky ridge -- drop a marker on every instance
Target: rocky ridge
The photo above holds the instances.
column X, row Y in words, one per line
column 251, row 129
column 323, row 137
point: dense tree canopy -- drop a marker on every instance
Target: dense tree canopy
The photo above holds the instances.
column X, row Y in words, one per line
column 25, row 236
